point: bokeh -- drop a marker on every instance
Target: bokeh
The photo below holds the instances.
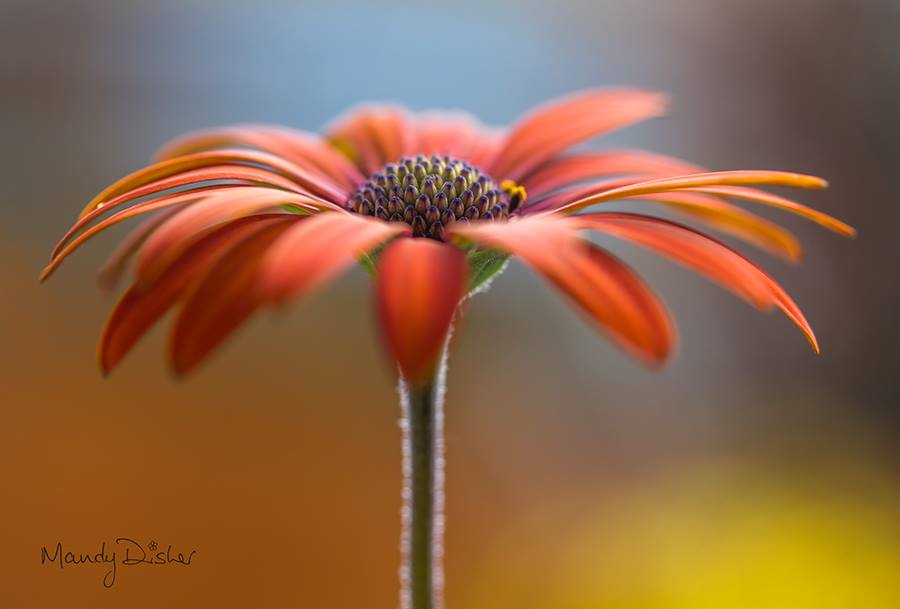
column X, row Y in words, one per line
column 748, row 473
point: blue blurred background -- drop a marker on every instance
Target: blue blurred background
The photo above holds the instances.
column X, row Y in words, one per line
column 749, row 473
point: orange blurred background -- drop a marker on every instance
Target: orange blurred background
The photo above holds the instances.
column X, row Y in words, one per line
column 749, row 473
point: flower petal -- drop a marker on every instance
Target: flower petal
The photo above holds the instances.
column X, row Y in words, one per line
column 710, row 210
column 182, row 198
column 300, row 147
column 164, row 169
column 603, row 287
column 574, row 168
column 317, row 249
column 568, row 121
column 419, row 284
column 224, row 176
column 142, row 306
column 702, row 254
column 163, row 202
column 223, row 299
column 114, row 267
column 732, row 220
column 373, row 135
column 693, row 181
column 766, row 198
column 455, row 133
column 485, row 147
column 563, row 197
column 169, row 240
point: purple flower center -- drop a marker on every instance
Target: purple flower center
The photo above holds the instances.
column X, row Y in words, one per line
column 431, row 193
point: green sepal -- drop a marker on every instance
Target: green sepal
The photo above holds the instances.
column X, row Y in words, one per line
column 369, row 260
column 294, row 209
column 484, row 265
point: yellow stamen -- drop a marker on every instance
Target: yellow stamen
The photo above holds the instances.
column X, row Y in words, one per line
column 515, row 191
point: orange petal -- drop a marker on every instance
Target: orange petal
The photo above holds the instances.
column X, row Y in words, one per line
column 171, row 167
column 732, row 220
column 574, row 168
column 373, row 135
column 223, row 299
column 419, row 284
column 710, row 210
column 555, row 126
column 169, row 240
column 142, row 306
column 484, row 147
column 316, row 250
column 225, row 176
column 163, row 202
column 563, row 197
column 603, row 287
column 114, row 267
column 735, row 221
column 300, row 147
column 457, row 134
column 702, row 254
column 187, row 197
column 759, row 196
column 699, row 180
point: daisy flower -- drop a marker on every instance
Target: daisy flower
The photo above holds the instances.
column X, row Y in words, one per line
column 434, row 204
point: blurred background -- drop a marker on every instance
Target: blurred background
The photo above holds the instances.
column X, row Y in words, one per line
column 748, row 473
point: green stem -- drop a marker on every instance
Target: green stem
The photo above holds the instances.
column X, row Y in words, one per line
column 421, row 573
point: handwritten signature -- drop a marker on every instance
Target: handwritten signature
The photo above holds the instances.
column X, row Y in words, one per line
column 132, row 553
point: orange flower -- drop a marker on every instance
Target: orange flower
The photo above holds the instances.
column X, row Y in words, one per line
column 433, row 204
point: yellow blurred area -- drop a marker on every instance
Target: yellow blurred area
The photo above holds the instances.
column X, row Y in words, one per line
column 724, row 539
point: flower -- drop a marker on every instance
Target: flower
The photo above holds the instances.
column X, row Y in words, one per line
column 433, row 204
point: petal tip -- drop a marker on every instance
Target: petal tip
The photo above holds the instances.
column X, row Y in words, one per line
column 795, row 255
column 814, row 343
column 46, row 272
column 419, row 285
column 180, row 368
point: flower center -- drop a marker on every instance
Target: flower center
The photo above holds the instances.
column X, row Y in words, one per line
column 431, row 193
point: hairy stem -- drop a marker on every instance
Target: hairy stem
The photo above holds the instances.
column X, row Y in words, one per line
column 421, row 542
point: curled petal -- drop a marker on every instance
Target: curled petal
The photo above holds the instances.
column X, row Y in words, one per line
column 766, row 198
column 710, row 210
column 183, row 198
column 563, row 197
column 419, row 284
column 163, row 202
column 206, row 179
column 170, row 239
column 574, row 168
column 223, row 298
column 317, row 249
column 693, row 181
column 702, row 254
column 171, row 167
column 142, row 306
column 304, row 149
column 732, row 220
column 603, row 287
column 114, row 267
column 571, row 120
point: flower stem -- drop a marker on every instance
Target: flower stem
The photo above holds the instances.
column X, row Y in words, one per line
column 421, row 572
